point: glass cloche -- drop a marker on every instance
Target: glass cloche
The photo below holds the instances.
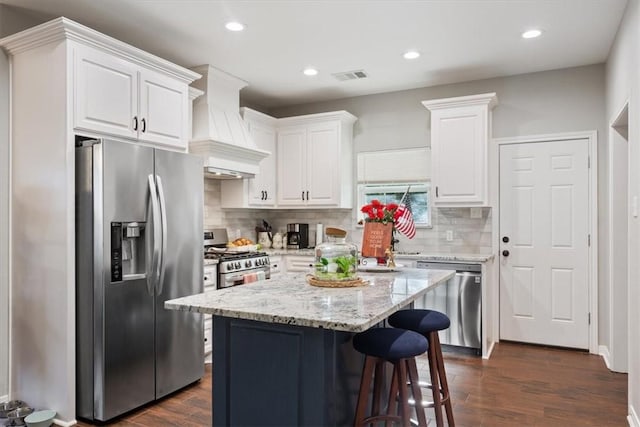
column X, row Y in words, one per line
column 336, row 259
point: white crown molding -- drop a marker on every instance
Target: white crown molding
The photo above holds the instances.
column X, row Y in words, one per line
column 343, row 116
column 256, row 116
column 65, row 29
column 194, row 93
column 489, row 99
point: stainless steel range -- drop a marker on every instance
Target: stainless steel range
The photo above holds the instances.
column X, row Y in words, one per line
column 234, row 268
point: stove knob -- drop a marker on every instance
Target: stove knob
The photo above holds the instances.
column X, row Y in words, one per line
column 238, row 265
column 266, row 261
column 258, row 262
column 247, row 263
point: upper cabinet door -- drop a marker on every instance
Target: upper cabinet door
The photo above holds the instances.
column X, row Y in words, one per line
column 292, row 166
column 460, row 132
column 262, row 188
column 106, row 94
column 164, row 107
column 323, row 159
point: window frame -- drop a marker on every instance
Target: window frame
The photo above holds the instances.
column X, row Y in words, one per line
column 399, row 187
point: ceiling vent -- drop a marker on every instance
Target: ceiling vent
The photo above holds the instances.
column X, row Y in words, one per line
column 351, row 75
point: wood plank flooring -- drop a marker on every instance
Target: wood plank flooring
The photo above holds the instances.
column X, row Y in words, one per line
column 521, row 385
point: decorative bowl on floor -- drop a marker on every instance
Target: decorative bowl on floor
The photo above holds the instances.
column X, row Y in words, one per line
column 40, row 418
column 16, row 417
column 7, row 407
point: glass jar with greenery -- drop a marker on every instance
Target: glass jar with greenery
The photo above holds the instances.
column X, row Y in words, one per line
column 336, row 259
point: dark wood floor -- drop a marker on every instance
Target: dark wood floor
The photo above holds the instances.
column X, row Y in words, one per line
column 520, row 385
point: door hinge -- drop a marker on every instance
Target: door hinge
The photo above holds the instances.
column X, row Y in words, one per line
column 589, row 240
column 589, row 318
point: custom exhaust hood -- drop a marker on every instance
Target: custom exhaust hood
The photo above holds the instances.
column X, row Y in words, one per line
column 220, row 135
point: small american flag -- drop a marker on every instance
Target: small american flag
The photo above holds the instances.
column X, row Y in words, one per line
column 404, row 223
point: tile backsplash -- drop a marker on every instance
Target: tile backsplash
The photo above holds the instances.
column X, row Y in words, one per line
column 470, row 235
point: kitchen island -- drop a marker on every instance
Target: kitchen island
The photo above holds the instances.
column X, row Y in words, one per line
column 282, row 352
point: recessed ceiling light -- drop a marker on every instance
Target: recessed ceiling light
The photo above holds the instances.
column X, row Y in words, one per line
column 412, row 54
column 310, row 71
column 531, row 34
column 234, row 26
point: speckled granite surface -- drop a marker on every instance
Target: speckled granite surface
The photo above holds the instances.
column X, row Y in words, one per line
column 290, row 300
column 210, row 262
column 426, row 256
column 299, row 252
column 479, row 258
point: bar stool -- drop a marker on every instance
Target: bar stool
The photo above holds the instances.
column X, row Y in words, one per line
column 428, row 323
column 398, row 347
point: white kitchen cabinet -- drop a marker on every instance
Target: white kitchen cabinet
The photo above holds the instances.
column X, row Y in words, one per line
column 299, row 263
column 116, row 96
column 276, row 262
column 315, row 160
column 460, row 132
column 260, row 191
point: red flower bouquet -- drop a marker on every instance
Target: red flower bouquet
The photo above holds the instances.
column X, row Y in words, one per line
column 380, row 212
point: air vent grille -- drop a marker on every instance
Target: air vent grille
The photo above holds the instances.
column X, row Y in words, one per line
column 350, row 75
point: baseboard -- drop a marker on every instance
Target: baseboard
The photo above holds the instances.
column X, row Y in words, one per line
column 603, row 351
column 489, row 350
column 632, row 418
column 64, row 423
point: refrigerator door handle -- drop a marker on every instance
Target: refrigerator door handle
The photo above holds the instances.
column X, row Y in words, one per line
column 155, row 212
column 163, row 251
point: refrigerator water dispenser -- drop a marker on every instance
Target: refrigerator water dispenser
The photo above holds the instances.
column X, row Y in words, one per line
column 128, row 255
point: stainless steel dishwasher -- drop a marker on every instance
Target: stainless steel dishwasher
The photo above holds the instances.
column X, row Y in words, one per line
column 460, row 298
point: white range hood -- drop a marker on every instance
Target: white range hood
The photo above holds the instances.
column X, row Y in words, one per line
column 220, row 135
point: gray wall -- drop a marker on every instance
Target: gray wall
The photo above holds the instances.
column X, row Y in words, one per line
column 623, row 84
column 539, row 103
column 12, row 20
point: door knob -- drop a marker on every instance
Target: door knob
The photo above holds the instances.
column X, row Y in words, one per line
column 505, row 239
column 505, row 253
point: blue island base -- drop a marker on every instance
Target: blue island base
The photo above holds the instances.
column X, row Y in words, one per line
column 267, row 374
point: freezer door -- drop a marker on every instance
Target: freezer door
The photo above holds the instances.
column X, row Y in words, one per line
column 123, row 309
column 179, row 335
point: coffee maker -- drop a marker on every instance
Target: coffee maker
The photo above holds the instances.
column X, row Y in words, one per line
column 297, row 236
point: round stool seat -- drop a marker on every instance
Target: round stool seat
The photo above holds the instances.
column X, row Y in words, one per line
column 422, row 321
column 389, row 343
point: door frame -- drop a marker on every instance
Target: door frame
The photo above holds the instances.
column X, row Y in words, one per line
column 592, row 268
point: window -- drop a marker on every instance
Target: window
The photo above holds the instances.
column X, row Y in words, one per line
column 419, row 193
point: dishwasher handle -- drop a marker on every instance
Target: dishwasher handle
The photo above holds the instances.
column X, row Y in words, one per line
column 458, row 267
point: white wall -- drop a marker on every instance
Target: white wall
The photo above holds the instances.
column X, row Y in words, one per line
column 622, row 84
column 11, row 21
column 4, row 226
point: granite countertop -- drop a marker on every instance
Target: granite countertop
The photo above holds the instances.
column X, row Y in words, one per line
column 290, row 300
column 210, row 262
column 300, row 252
column 425, row 256
column 451, row 257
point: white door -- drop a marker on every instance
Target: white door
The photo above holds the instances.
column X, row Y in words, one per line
column 106, row 94
column 292, row 164
column 544, row 210
column 323, row 160
column 164, row 106
column 262, row 188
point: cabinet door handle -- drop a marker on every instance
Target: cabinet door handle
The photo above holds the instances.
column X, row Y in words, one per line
column 307, row 194
column 436, row 191
column 303, row 195
column 135, row 123
column 144, row 125
column 266, row 195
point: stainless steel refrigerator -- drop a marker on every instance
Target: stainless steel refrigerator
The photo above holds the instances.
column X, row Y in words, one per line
column 138, row 243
